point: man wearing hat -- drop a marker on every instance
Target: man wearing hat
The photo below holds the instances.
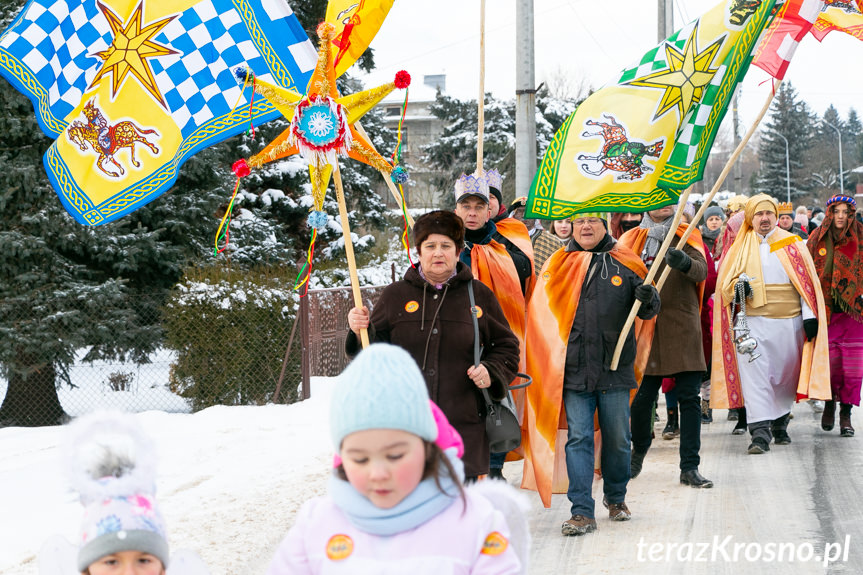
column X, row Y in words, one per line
column 786, row 317
column 837, row 249
column 676, row 350
column 575, row 317
column 497, row 262
column 786, row 220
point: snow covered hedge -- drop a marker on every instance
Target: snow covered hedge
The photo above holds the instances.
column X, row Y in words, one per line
column 230, row 330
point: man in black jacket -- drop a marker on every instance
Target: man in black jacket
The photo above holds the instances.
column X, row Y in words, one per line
column 587, row 290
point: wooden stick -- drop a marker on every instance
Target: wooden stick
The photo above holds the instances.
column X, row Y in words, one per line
column 387, row 179
column 654, row 268
column 725, row 171
column 481, row 102
column 349, row 248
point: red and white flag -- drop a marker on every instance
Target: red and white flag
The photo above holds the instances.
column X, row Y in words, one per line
column 793, row 20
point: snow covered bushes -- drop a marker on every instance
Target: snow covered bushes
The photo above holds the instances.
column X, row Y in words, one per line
column 230, row 330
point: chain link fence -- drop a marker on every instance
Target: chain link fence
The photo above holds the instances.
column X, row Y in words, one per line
column 227, row 350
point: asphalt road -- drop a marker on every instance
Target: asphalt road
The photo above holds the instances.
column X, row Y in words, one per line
column 780, row 512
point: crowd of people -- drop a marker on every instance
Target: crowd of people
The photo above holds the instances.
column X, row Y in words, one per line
column 759, row 307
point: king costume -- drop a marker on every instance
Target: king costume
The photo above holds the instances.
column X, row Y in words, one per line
column 785, row 293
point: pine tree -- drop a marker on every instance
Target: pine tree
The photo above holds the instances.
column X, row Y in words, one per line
column 853, row 135
column 791, row 118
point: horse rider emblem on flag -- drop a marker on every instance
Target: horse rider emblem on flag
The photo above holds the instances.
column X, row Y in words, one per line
column 131, row 90
column 637, row 143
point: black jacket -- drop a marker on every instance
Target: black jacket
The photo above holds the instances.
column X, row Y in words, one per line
column 607, row 295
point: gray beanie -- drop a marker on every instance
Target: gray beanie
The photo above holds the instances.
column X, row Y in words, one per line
column 382, row 388
column 714, row 211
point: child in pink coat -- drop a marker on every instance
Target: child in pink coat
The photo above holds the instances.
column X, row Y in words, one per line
column 396, row 503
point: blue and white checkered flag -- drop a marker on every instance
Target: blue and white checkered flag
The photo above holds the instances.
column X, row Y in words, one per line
column 131, row 93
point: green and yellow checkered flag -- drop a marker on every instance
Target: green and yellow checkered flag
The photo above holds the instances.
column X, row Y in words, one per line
column 637, row 144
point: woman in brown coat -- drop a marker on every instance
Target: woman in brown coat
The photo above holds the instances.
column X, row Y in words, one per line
column 428, row 314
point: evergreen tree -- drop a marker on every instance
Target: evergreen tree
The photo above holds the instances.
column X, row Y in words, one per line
column 790, row 117
column 853, row 135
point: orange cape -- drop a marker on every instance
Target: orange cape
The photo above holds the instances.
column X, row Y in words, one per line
column 814, row 380
column 551, row 312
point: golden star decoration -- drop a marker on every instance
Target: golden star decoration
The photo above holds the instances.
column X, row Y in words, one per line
column 323, row 84
column 129, row 50
column 685, row 79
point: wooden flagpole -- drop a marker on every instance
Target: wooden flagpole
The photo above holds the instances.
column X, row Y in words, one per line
column 725, row 171
column 349, row 248
column 654, row 268
column 652, row 273
column 481, row 100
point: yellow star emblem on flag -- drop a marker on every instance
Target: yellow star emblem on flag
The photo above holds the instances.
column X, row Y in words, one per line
column 130, row 48
column 687, row 76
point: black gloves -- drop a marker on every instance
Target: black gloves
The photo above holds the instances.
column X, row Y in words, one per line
column 644, row 293
column 747, row 289
column 810, row 326
column 677, row 259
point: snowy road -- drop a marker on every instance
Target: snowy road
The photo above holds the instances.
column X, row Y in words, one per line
column 804, row 496
column 231, row 479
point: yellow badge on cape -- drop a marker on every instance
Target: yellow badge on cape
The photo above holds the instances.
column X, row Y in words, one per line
column 339, row 547
column 494, row 544
column 546, row 275
column 616, row 280
column 411, row 306
column 478, row 311
column 822, row 252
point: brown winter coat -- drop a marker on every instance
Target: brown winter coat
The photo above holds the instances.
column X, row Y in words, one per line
column 677, row 337
column 436, row 328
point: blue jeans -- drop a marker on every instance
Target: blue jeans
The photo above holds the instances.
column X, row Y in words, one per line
column 613, row 407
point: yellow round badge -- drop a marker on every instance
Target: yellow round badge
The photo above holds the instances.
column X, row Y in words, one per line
column 494, row 544
column 339, row 547
column 478, row 312
column 616, row 280
column 546, row 275
column 411, row 306
column 822, row 252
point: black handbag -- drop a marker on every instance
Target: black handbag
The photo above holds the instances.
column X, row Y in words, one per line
column 501, row 421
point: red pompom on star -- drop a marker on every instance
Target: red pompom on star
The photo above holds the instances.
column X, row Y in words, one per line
column 403, row 80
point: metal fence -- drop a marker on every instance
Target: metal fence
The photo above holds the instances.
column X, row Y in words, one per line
column 248, row 358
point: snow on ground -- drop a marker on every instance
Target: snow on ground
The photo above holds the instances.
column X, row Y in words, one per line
column 230, row 480
column 146, row 386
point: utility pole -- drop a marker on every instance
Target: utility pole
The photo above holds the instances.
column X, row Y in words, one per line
column 665, row 20
column 525, row 99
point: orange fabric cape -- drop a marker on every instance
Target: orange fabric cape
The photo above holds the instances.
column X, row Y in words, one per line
column 492, row 265
column 636, row 238
column 516, row 232
column 814, row 380
column 551, row 312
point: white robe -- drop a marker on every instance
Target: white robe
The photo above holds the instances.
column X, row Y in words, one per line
column 769, row 383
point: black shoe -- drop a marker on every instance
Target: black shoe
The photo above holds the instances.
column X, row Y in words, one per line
column 828, row 416
column 635, row 462
column 739, row 429
column 695, row 479
column 672, row 427
column 495, row 473
column 706, row 412
column 780, row 437
column 758, row 446
column 732, row 415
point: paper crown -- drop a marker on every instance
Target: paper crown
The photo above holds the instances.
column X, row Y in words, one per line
column 785, row 209
column 842, row 199
column 471, row 185
column 495, row 180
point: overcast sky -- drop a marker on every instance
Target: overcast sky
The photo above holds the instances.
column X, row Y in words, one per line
column 585, row 39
